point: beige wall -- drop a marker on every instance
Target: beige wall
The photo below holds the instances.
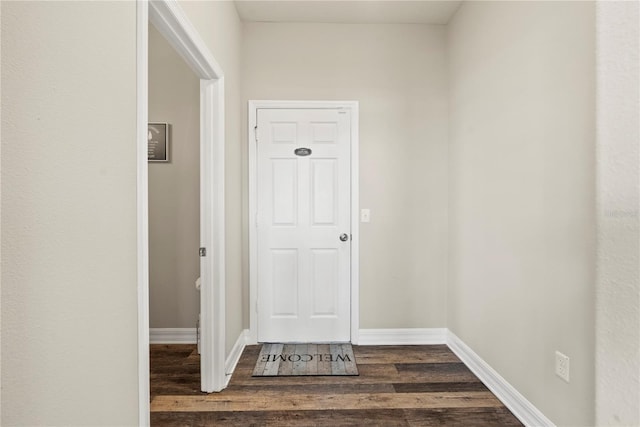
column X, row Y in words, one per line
column 174, row 190
column 522, row 196
column 69, row 279
column 618, row 286
column 221, row 29
column 398, row 74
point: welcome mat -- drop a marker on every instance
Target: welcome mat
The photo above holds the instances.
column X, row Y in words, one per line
column 276, row 360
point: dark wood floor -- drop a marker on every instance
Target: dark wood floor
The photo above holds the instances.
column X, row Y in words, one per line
column 397, row 386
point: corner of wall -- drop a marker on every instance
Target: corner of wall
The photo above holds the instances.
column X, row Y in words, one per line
column 618, row 214
column 524, row 410
column 236, row 352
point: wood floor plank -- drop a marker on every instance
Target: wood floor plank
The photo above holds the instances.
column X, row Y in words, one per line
column 376, row 418
column 161, row 351
column 279, row 401
column 314, row 388
column 461, row 417
column 180, row 384
column 438, row 387
column 403, row 354
column 432, row 367
column 175, row 369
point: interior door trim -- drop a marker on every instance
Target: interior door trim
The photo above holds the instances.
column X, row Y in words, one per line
column 253, row 108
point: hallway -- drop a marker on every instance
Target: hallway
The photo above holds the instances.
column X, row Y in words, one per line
column 498, row 210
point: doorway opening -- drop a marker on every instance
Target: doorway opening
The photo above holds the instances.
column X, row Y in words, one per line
column 174, row 194
column 171, row 22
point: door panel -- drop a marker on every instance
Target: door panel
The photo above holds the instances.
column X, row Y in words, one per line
column 284, row 263
column 323, row 192
column 325, row 279
column 285, row 186
column 303, row 205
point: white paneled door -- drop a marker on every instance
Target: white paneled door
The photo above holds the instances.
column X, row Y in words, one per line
column 303, row 225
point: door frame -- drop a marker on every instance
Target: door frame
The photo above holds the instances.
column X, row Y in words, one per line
column 353, row 107
column 170, row 20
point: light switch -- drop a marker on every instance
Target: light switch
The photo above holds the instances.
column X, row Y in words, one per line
column 365, row 215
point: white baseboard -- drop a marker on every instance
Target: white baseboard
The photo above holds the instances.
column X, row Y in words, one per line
column 524, row 410
column 410, row 336
column 172, row 336
column 234, row 355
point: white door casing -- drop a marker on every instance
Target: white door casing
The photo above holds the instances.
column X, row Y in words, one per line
column 303, row 277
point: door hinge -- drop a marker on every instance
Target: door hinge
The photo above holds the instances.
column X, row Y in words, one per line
column 203, row 251
column 255, row 132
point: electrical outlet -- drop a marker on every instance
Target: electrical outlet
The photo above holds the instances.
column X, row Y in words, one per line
column 562, row 366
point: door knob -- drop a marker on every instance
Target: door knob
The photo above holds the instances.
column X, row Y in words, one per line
column 344, row 237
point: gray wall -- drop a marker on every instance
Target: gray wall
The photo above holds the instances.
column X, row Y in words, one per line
column 398, row 74
column 69, row 272
column 522, row 192
column 174, row 190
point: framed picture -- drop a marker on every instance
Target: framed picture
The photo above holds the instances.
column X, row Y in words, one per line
column 158, row 142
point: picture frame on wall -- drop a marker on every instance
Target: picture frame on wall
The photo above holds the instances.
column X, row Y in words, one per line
column 158, row 142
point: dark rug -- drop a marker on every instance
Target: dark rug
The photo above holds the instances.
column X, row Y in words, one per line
column 282, row 360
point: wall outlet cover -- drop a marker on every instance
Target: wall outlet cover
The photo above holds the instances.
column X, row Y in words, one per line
column 562, row 366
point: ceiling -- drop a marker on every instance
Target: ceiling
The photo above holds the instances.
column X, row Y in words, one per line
column 348, row 11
